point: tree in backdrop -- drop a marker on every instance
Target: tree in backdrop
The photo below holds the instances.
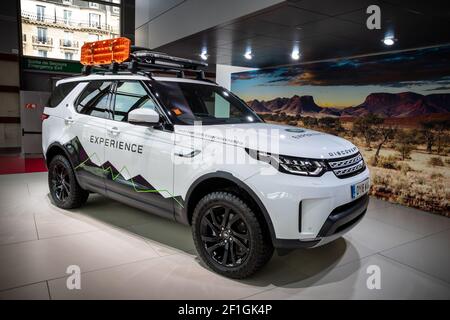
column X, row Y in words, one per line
column 383, row 134
column 441, row 127
column 405, row 140
column 428, row 135
column 366, row 126
column 331, row 124
column 310, row 122
column 435, row 132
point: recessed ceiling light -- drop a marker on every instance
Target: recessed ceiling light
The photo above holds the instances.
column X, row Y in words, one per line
column 248, row 55
column 388, row 41
column 204, row 55
column 295, row 55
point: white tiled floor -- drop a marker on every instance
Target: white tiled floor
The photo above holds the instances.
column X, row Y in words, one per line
column 125, row 253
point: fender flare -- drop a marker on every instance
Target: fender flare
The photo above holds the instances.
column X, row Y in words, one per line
column 66, row 153
column 240, row 184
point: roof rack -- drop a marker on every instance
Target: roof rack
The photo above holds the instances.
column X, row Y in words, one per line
column 145, row 61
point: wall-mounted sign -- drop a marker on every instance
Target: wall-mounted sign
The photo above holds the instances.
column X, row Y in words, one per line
column 50, row 65
column 30, row 106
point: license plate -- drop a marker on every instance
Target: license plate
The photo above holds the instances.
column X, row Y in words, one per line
column 360, row 188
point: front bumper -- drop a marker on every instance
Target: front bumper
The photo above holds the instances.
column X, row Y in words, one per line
column 340, row 221
column 307, row 211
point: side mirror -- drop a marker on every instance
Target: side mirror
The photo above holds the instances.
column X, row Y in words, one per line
column 144, row 116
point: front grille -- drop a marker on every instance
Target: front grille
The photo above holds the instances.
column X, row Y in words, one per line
column 348, row 166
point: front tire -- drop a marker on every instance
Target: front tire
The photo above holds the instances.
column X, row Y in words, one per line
column 229, row 237
column 65, row 191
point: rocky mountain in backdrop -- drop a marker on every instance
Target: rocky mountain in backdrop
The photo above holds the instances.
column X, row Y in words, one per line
column 294, row 105
column 405, row 104
column 258, row 106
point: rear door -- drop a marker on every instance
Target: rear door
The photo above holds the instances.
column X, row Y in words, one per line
column 140, row 166
column 87, row 129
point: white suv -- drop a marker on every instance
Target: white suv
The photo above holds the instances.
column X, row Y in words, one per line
column 191, row 151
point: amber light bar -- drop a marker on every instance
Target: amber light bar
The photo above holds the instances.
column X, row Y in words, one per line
column 105, row 51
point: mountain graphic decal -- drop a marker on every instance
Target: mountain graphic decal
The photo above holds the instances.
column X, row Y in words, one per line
column 82, row 160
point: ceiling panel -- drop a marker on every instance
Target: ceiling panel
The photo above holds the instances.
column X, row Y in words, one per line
column 332, row 7
column 290, row 16
column 323, row 29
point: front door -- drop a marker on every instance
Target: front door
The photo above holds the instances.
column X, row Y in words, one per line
column 140, row 166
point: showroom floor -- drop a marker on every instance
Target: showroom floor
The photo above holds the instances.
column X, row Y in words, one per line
column 129, row 254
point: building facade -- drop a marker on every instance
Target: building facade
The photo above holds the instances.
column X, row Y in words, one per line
column 58, row 28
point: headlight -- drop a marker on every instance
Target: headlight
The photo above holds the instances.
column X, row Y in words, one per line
column 292, row 165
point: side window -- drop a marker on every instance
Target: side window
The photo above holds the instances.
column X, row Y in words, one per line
column 95, row 99
column 60, row 93
column 130, row 95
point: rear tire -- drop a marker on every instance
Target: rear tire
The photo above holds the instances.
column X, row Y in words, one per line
column 65, row 191
column 229, row 237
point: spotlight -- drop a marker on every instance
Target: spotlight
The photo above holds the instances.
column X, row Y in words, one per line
column 295, row 55
column 204, row 55
column 388, row 41
column 248, row 55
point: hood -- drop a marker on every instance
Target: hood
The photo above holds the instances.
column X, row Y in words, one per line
column 287, row 140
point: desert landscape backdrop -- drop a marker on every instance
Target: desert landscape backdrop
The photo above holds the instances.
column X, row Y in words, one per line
column 394, row 107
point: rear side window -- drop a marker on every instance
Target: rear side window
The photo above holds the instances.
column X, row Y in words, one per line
column 60, row 93
column 95, row 99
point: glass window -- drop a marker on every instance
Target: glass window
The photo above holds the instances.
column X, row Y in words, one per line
column 130, row 95
column 67, row 16
column 95, row 99
column 68, row 36
column 93, row 5
column 60, row 93
column 40, row 13
column 68, row 55
column 42, row 53
column 94, row 20
column 42, row 34
column 190, row 102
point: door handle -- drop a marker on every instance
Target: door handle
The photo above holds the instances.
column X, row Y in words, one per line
column 68, row 120
column 114, row 131
column 191, row 154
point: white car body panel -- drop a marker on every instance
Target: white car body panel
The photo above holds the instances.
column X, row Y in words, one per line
column 166, row 164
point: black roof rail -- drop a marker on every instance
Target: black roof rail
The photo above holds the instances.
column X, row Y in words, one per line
column 146, row 61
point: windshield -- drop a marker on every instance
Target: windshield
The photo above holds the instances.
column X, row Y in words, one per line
column 210, row 104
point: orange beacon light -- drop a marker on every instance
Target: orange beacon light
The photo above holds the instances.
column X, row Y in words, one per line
column 105, row 51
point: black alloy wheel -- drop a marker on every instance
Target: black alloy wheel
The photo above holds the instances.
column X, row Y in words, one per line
column 61, row 182
column 225, row 236
column 231, row 239
column 65, row 191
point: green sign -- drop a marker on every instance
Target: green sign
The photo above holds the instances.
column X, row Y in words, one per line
column 51, row 65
